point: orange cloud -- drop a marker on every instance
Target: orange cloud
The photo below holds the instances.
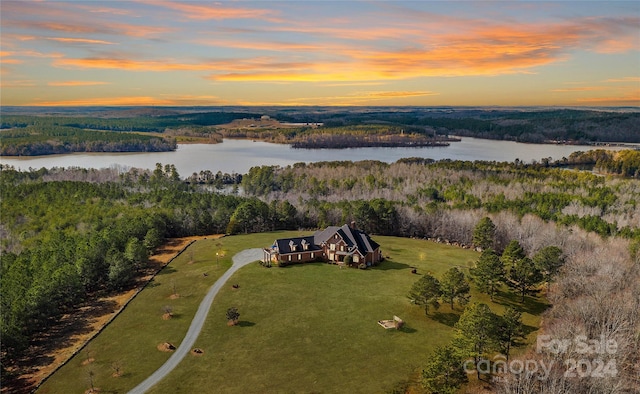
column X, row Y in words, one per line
column 12, row 61
column 353, row 84
column 632, row 99
column 357, row 98
column 625, row 79
column 104, row 10
column 215, row 11
column 477, row 48
column 168, row 100
column 78, row 40
column 581, row 89
column 77, row 83
column 127, row 64
column 17, row 84
column 86, row 28
column 398, row 94
column 258, row 45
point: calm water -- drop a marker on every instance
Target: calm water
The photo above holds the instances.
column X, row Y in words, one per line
column 240, row 155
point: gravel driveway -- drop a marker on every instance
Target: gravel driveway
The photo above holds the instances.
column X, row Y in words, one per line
column 239, row 260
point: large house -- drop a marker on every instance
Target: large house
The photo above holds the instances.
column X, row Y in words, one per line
column 332, row 245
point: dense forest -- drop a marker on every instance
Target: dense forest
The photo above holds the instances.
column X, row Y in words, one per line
column 48, row 140
column 130, row 130
column 72, row 234
column 518, row 124
column 29, row 135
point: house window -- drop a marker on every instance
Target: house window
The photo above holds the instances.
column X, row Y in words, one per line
column 356, row 258
column 299, row 257
column 312, row 255
column 289, row 257
column 342, row 248
column 332, row 247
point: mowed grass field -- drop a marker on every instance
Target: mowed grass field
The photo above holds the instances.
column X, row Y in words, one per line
column 303, row 328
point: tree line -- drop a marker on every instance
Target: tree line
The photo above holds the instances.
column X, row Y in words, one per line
column 69, row 234
column 328, row 192
column 32, row 135
column 479, row 332
column 538, row 126
column 47, row 134
column 47, row 140
column 68, row 240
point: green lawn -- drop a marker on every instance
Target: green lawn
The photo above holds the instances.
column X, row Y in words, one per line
column 303, row 328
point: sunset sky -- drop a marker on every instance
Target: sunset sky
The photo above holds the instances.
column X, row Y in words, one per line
column 422, row 53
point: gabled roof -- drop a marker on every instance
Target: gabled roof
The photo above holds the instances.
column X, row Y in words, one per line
column 284, row 244
column 360, row 239
column 321, row 236
column 354, row 238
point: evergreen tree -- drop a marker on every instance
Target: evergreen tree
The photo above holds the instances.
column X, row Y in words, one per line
column 512, row 253
column 444, row 372
column 488, row 273
column 476, row 332
column 454, row 287
column 524, row 276
column 135, row 252
column 152, row 239
column 426, row 292
column 549, row 260
column 484, row 233
column 510, row 329
column 232, row 314
column 120, row 270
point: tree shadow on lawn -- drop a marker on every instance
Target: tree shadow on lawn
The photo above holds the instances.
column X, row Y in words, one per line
column 244, row 323
column 391, row 265
column 407, row 329
column 446, row 318
column 531, row 305
column 168, row 269
column 152, row 283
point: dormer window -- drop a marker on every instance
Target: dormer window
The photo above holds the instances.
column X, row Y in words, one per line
column 292, row 246
column 305, row 244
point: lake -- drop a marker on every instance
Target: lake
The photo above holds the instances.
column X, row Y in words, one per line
column 240, row 155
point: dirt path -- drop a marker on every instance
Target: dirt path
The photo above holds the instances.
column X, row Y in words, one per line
column 239, row 260
column 55, row 347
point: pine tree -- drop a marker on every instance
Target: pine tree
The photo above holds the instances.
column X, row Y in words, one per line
column 455, row 287
column 488, row 273
column 426, row 292
column 476, row 332
column 510, row 329
column 524, row 276
column 512, row 253
column 484, row 233
column 232, row 314
column 444, row 372
column 548, row 260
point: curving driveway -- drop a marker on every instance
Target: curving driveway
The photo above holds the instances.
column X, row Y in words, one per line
column 239, row 260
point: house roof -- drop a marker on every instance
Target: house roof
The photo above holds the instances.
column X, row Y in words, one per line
column 321, row 236
column 284, row 244
column 354, row 238
column 360, row 239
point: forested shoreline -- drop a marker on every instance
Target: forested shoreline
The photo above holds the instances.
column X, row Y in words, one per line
column 70, row 234
column 158, row 129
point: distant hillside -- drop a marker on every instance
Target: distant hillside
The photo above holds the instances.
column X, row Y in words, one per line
column 39, row 131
